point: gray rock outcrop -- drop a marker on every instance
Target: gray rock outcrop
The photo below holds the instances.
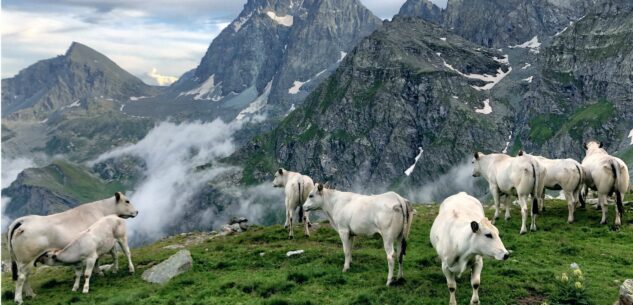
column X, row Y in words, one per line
column 176, row 264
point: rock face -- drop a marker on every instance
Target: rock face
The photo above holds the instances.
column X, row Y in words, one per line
column 64, row 81
column 275, row 50
column 424, row 9
column 176, row 264
column 410, row 84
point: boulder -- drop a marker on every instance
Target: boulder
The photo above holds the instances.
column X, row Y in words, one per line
column 173, row 266
column 626, row 293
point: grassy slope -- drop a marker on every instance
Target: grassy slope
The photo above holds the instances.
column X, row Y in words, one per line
column 230, row 270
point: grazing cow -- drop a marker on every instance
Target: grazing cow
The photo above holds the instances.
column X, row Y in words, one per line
column 296, row 188
column 566, row 175
column 461, row 235
column 98, row 239
column 521, row 176
column 30, row 236
column 352, row 214
column 606, row 175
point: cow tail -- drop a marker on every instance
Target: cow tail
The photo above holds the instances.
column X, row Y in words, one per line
column 618, row 194
column 406, row 226
column 579, row 187
column 14, row 266
column 535, row 188
column 300, row 203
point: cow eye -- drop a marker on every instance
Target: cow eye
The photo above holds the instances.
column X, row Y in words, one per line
column 311, row 196
column 489, row 235
column 127, row 201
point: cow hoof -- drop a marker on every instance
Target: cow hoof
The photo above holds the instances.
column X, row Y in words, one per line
column 603, row 222
column 507, row 218
column 616, row 227
column 285, row 226
column 523, row 232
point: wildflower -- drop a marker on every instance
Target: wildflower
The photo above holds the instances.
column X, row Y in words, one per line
column 574, row 266
column 577, row 272
column 581, row 278
column 564, row 278
column 578, row 285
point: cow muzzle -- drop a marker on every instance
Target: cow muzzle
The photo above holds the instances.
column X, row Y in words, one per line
column 502, row 256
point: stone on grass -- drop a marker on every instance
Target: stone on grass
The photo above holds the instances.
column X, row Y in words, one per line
column 176, row 264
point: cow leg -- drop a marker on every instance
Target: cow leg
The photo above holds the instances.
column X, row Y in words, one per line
column 28, row 291
column 508, row 204
column 90, row 263
column 475, row 279
column 306, row 223
column 400, row 257
column 77, row 277
column 571, row 205
column 533, row 215
column 388, row 244
column 602, row 201
column 495, row 195
column 523, row 204
column 23, row 272
column 115, row 260
column 307, row 218
column 126, row 251
column 347, row 248
column 452, row 285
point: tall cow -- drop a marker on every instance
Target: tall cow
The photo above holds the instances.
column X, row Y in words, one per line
column 461, row 235
column 296, row 188
column 521, row 176
column 30, row 236
column 566, row 175
column 353, row 214
column 606, row 175
column 99, row 239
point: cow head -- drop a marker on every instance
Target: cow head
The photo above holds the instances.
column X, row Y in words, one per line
column 315, row 198
column 485, row 240
column 281, row 177
column 476, row 164
column 49, row 257
column 123, row 206
column 592, row 146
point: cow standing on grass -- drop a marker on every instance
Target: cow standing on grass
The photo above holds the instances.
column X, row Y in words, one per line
column 296, row 188
column 461, row 235
column 99, row 239
column 521, row 176
column 353, row 214
column 606, row 175
column 30, row 236
column 566, row 175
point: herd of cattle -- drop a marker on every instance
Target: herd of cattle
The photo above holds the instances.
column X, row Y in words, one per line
column 461, row 234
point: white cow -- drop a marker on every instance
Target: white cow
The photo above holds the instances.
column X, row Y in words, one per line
column 99, row 239
column 566, row 175
column 296, row 188
column 30, row 236
column 353, row 214
column 461, row 235
column 606, row 175
column 521, row 176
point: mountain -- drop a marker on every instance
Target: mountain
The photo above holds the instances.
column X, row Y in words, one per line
column 52, row 84
column 501, row 23
column 54, row 188
column 409, row 85
column 269, row 57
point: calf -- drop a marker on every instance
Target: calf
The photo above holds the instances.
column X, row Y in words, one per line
column 606, row 175
column 566, row 175
column 521, row 176
column 29, row 236
column 461, row 235
column 99, row 239
column 352, row 214
column 296, row 188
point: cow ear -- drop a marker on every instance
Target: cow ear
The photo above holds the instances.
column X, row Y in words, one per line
column 474, row 226
column 320, row 187
column 476, row 156
column 117, row 196
column 280, row 171
column 521, row 152
column 601, row 144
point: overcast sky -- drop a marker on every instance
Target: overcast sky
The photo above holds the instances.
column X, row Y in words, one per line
column 156, row 42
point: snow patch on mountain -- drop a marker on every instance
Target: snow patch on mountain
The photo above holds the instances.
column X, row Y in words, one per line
column 529, row 79
column 257, row 105
column 204, row 89
column 409, row 170
column 343, row 54
column 282, row 20
column 296, row 86
column 533, row 44
column 491, row 80
column 487, row 109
